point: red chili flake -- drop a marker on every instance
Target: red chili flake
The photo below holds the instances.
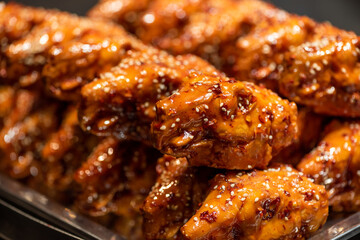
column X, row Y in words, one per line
column 209, row 217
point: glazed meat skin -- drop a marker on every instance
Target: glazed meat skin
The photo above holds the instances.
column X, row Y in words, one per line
column 15, row 22
column 72, row 50
column 310, row 126
column 178, row 191
column 22, row 141
column 277, row 203
column 223, row 123
column 122, row 101
column 335, row 163
column 74, row 63
column 113, row 172
column 114, row 180
column 313, row 64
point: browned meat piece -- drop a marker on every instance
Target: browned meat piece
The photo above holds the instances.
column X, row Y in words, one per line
column 61, row 155
column 310, row 127
column 335, row 163
column 174, row 198
column 277, row 203
column 223, row 123
column 22, row 142
column 323, row 73
column 122, row 101
column 125, row 11
column 15, row 22
column 7, row 95
column 20, row 105
column 74, row 50
column 313, row 64
column 71, row 64
column 115, row 173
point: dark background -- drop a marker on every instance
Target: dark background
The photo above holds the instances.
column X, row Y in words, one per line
column 343, row 14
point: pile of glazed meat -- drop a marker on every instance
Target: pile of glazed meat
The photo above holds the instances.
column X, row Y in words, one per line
column 259, row 145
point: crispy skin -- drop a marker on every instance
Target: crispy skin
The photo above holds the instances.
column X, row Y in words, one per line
column 62, row 154
column 22, row 141
column 115, row 179
column 67, row 50
column 223, row 123
column 122, row 101
column 125, row 11
column 98, row 48
column 323, row 73
column 310, row 126
column 115, row 173
column 313, row 64
column 7, row 96
column 174, row 198
column 15, row 22
column 277, row 203
column 335, row 163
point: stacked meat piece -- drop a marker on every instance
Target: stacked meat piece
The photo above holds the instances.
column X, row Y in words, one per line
column 82, row 101
column 313, row 64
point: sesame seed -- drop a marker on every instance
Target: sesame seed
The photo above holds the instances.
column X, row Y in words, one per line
column 177, row 120
column 270, row 137
column 173, row 125
column 206, row 120
column 232, row 193
column 211, row 206
column 286, row 218
column 223, row 109
column 230, row 203
column 317, row 197
column 196, row 219
column 197, row 109
column 256, row 199
column 232, row 185
column 218, row 196
column 223, row 187
column 206, row 106
column 221, row 104
column 259, row 125
column 216, row 186
column 249, row 166
column 191, row 136
column 163, row 127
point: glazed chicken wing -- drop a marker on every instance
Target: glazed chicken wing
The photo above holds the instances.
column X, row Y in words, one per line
column 323, row 73
column 313, row 64
column 72, row 64
column 335, row 163
column 122, row 101
column 223, row 123
column 125, row 11
column 115, row 179
column 310, row 126
column 174, row 197
column 15, row 22
column 277, row 203
column 61, row 154
column 112, row 171
column 67, row 50
column 21, row 142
